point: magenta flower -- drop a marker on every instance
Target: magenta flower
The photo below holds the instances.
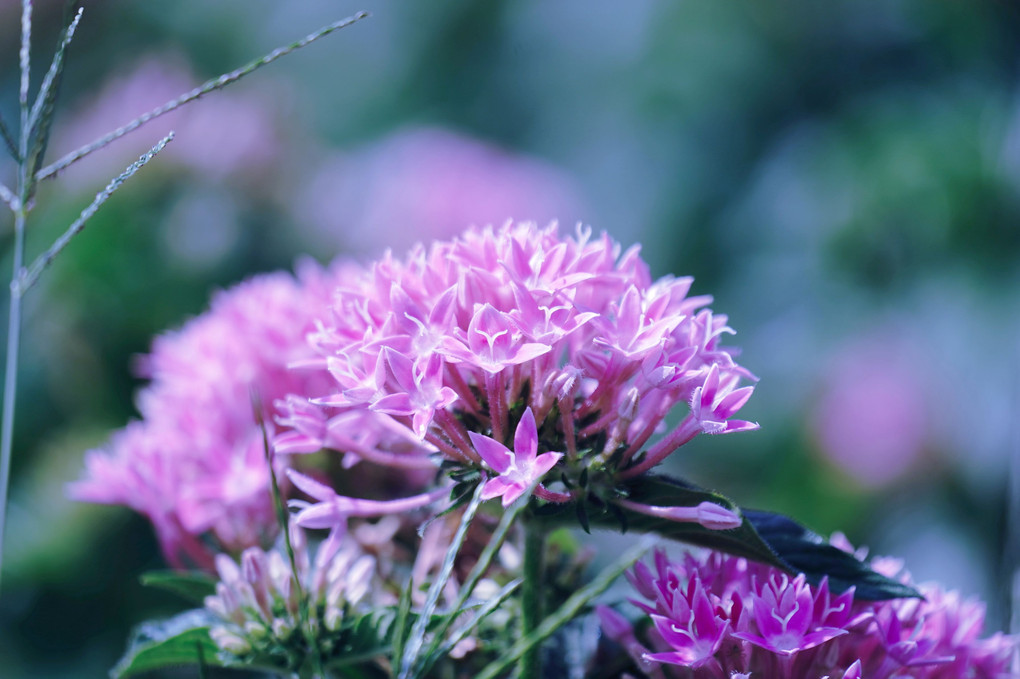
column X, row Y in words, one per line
column 784, row 616
column 692, row 629
column 728, row 617
column 518, row 469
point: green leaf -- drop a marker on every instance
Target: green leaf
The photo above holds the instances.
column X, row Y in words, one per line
column 666, row 492
column 811, row 554
column 765, row 537
column 194, row 587
column 402, row 625
column 365, row 637
column 181, row 640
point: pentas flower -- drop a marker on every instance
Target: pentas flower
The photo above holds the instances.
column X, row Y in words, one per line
column 195, row 463
column 563, row 346
column 725, row 617
column 518, row 469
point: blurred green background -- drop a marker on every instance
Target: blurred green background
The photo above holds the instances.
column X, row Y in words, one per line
column 841, row 176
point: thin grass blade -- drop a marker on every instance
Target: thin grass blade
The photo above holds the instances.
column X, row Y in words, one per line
column 480, row 568
column 568, row 611
column 442, row 650
column 24, row 62
column 400, row 625
column 40, row 118
column 12, row 146
column 417, row 638
column 278, row 504
column 205, row 88
column 27, row 278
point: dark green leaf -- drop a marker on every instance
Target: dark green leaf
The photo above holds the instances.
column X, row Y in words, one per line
column 181, row 640
column 809, row 553
column 365, row 637
column 193, row 587
column 582, row 516
column 764, row 537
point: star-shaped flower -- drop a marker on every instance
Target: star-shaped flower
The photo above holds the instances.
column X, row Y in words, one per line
column 518, row 469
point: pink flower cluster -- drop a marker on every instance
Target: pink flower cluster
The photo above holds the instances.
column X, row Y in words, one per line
column 565, row 345
column 195, row 464
column 722, row 617
column 564, row 348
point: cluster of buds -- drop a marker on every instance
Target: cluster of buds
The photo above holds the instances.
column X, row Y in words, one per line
column 722, row 617
column 270, row 607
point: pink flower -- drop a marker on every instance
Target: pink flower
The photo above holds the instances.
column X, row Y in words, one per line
column 692, row 629
column 518, row 469
column 257, row 606
column 195, row 463
column 729, row 617
column 424, row 183
column 784, row 616
column 333, row 510
column 229, row 135
column 870, row 418
column 451, row 340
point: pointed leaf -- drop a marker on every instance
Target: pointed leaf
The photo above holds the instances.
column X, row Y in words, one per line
column 811, row 554
column 765, row 537
column 181, row 640
column 365, row 637
column 41, row 117
column 402, row 625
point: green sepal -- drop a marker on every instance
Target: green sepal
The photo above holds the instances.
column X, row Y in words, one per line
column 191, row 586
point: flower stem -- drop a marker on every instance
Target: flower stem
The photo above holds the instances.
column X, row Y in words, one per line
column 531, row 596
column 24, row 190
column 11, row 373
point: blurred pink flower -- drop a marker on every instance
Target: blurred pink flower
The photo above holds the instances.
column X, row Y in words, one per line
column 871, row 417
column 195, row 464
column 425, row 183
column 230, row 134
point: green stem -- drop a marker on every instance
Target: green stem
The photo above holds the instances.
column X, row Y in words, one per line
column 14, row 312
column 11, row 374
column 532, row 591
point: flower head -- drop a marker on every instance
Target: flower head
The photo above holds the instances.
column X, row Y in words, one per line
column 506, row 332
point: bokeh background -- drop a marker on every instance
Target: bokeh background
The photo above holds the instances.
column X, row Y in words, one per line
column 842, row 177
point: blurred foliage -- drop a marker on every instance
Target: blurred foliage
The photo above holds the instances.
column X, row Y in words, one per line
column 830, row 171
